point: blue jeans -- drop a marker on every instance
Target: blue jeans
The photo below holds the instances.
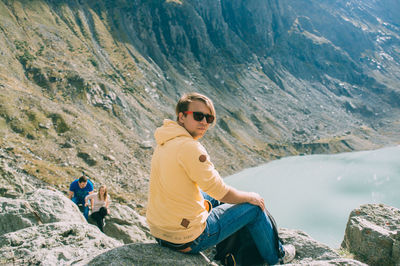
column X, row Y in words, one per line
column 81, row 205
column 226, row 219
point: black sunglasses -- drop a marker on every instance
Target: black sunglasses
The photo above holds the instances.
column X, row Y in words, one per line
column 199, row 116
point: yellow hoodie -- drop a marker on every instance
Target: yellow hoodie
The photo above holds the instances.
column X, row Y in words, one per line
column 180, row 167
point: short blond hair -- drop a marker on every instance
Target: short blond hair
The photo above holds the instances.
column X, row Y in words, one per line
column 183, row 103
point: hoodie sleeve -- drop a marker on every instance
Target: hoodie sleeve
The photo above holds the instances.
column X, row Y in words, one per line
column 195, row 160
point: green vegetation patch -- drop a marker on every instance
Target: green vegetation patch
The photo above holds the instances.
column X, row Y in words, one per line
column 76, row 81
column 25, row 58
column 47, row 171
column 93, row 62
column 59, row 123
column 87, row 158
column 20, row 45
column 36, row 75
column 24, row 122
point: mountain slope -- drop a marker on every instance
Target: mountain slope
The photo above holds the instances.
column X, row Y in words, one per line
column 85, row 83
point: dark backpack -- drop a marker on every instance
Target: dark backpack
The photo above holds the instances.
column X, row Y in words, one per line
column 240, row 249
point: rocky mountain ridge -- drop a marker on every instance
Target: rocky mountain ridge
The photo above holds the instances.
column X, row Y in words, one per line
column 83, row 84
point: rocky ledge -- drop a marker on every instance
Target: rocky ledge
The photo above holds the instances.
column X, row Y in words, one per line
column 44, row 227
column 373, row 234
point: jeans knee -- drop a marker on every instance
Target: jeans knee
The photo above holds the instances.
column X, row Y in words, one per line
column 254, row 208
column 257, row 213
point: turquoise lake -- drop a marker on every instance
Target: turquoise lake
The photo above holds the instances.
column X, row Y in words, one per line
column 316, row 193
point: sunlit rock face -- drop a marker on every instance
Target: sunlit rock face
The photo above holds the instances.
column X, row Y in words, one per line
column 45, row 227
column 85, row 84
column 372, row 234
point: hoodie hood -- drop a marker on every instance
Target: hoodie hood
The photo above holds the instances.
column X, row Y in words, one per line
column 168, row 131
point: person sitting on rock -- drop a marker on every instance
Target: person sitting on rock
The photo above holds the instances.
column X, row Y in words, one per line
column 100, row 202
column 183, row 217
column 78, row 190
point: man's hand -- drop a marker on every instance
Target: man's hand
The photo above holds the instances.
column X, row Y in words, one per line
column 70, row 194
column 235, row 196
column 257, row 200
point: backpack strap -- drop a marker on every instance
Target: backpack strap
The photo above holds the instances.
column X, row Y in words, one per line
column 280, row 252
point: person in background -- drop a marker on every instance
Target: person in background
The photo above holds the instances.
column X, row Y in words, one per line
column 184, row 184
column 78, row 190
column 100, row 202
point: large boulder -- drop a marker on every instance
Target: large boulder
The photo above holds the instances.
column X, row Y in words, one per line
column 309, row 252
column 38, row 207
column 147, row 254
column 53, row 206
column 59, row 243
column 127, row 225
column 45, row 227
column 373, row 234
column 14, row 182
column 15, row 214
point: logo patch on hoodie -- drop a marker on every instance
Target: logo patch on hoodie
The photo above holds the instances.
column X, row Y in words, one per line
column 185, row 222
column 202, row 158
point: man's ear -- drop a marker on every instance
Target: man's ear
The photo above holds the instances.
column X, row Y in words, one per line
column 180, row 117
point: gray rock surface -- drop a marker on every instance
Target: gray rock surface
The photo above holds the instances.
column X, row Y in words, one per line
column 373, row 234
column 14, row 182
column 127, row 225
column 15, row 214
column 45, row 227
column 146, row 254
column 38, row 207
column 346, row 262
column 311, row 252
column 306, row 246
column 53, row 206
column 59, row 243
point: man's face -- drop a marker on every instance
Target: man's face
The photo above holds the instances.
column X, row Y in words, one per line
column 195, row 128
column 82, row 185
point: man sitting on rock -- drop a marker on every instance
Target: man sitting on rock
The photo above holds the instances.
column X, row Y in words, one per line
column 78, row 190
column 180, row 215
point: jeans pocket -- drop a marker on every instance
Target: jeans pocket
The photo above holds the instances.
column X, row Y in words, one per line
column 212, row 233
column 212, row 230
